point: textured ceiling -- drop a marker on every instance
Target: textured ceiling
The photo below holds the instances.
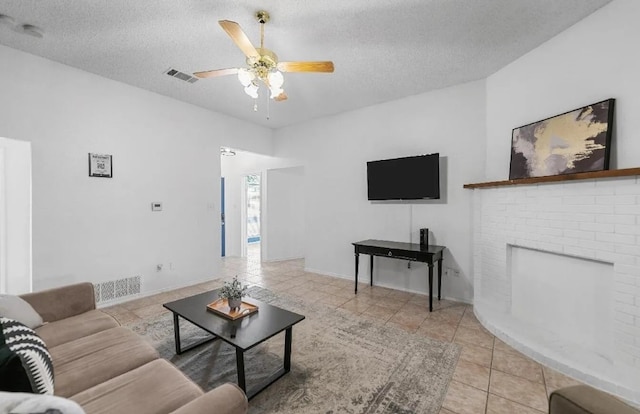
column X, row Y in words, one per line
column 382, row 50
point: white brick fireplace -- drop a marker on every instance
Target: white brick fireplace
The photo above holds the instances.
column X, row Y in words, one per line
column 557, row 275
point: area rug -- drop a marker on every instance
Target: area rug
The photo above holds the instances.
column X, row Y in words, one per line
column 341, row 363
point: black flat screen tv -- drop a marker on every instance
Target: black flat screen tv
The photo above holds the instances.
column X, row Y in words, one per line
column 409, row 178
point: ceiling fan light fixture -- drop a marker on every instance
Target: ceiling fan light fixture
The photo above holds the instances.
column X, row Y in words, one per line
column 251, row 90
column 276, row 80
column 276, row 92
column 245, row 76
column 263, row 65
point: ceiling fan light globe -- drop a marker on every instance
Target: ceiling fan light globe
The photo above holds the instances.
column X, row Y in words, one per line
column 276, row 80
column 245, row 77
column 251, row 90
column 275, row 92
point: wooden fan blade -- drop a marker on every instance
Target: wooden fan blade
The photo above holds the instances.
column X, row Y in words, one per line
column 282, row 97
column 305, row 66
column 215, row 73
column 239, row 38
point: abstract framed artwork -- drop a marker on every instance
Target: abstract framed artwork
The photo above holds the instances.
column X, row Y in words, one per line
column 573, row 142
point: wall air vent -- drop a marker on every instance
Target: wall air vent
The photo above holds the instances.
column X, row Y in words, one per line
column 115, row 289
column 181, row 75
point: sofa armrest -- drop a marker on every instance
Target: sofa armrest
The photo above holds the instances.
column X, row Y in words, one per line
column 60, row 303
column 582, row 399
column 225, row 399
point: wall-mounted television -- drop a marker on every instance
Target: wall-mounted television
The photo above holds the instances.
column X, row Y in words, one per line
column 408, row 178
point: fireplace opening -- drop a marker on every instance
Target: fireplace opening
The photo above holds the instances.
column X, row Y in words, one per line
column 567, row 296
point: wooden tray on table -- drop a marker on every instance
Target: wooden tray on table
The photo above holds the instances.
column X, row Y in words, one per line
column 221, row 307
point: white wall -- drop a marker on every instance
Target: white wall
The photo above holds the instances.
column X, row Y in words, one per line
column 591, row 61
column 15, row 216
column 234, row 169
column 97, row 229
column 285, row 214
column 334, row 152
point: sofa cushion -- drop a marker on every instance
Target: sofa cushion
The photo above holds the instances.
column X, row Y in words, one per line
column 69, row 329
column 96, row 358
column 16, row 308
column 25, row 363
column 227, row 398
column 156, row 387
column 62, row 302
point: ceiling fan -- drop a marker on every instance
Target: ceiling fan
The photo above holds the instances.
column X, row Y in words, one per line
column 262, row 64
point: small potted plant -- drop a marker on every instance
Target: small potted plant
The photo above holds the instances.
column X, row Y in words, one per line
column 233, row 292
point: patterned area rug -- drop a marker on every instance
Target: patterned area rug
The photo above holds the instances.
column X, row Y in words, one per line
column 341, row 363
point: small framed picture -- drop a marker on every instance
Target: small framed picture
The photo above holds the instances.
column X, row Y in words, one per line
column 100, row 165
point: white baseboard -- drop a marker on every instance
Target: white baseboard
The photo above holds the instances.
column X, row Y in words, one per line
column 282, row 259
column 367, row 280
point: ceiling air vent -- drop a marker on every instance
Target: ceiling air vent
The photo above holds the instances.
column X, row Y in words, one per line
column 181, row 75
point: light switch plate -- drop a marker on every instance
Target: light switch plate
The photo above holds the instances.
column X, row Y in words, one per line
column 156, row 206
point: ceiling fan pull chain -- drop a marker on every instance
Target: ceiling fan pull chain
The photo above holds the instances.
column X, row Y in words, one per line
column 268, row 108
column 255, row 105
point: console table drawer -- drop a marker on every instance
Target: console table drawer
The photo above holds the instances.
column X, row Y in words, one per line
column 393, row 253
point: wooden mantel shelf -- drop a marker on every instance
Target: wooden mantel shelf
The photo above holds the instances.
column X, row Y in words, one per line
column 627, row 172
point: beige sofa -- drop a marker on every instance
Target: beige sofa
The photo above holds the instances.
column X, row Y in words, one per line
column 107, row 368
column 582, row 399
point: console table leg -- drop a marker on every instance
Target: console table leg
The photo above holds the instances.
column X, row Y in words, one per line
column 371, row 269
column 357, row 261
column 430, row 287
column 439, row 277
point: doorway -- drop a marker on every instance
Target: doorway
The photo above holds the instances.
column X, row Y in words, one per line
column 253, row 195
column 223, row 241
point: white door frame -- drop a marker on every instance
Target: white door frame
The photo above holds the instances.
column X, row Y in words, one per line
column 243, row 215
column 3, row 225
column 15, row 217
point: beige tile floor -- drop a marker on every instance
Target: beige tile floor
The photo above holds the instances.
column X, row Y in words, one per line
column 490, row 377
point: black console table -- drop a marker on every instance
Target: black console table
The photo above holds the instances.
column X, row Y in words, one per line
column 404, row 251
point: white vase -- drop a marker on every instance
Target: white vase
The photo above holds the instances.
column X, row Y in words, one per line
column 234, row 303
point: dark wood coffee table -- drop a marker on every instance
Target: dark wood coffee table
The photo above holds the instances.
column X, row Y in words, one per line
column 243, row 333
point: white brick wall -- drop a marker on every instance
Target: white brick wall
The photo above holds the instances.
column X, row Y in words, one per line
column 593, row 219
